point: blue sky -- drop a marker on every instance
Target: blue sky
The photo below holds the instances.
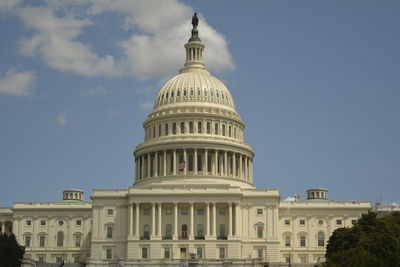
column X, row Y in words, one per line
column 317, row 83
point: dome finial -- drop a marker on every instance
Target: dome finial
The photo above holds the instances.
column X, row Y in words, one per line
column 195, row 32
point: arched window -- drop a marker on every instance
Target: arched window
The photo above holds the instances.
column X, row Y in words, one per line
column 60, row 239
column 166, row 129
column 260, row 231
column 230, row 131
column 199, row 163
column 173, row 128
column 78, row 240
column 321, row 239
column 222, row 233
column 200, row 231
column 159, row 130
column 146, row 231
column 208, row 127
column 182, row 127
column 191, row 127
column 216, row 129
column 184, row 231
column 287, row 240
column 199, row 129
column 302, row 240
column 42, row 240
column 168, row 231
column 223, row 129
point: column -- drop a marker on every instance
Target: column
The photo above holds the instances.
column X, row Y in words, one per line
column 236, row 219
column 142, row 166
column 185, row 160
column 155, row 164
column 174, row 163
column 226, row 163
column 230, row 218
column 221, row 165
column 148, row 165
column 153, row 219
column 208, row 219
column 240, row 167
column 195, row 160
column 214, row 206
column 251, row 170
column 234, row 164
column 245, row 169
column 130, row 215
column 137, row 233
column 159, row 204
column 175, row 221
column 216, row 163
column 191, row 236
column 136, row 169
column 205, row 171
column 165, row 162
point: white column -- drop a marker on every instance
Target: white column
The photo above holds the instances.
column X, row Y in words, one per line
column 208, row 218
column 148, row 165
column 221, row 164
column 236, row 219
column 240, row 167
column 136, row 169
column 142, row 166
column 226, row 163
column 159, row 204
column 137, row 233
column 214, row 204
column 174, row 163
column 246, row 177
column 185, row 160
column 205, row 170
column 195, row 160
column 130, row 216
column 165, row 162
column 153, row 219
column 216, row 163
column 251, row 170
column 230, row 218
column 175, row 221
column 156, row 164
column 234, row 164
column 191, row 236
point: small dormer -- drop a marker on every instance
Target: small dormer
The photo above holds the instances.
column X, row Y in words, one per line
column 317, row 193
column 73, row 194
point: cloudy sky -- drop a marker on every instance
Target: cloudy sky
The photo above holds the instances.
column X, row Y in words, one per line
column 317, row 83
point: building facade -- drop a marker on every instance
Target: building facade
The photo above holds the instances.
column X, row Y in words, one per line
column 193, row 196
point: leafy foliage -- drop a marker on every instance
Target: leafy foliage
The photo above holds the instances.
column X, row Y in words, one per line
column 11, row 252
column 371, row 242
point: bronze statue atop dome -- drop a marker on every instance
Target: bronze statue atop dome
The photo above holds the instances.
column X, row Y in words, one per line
column 195, row 32
column 195, row 20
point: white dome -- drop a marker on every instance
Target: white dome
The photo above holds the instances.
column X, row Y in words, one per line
column 194, row 86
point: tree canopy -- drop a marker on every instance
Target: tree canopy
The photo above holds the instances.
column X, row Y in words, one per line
column 11, row 252
column 372, row 241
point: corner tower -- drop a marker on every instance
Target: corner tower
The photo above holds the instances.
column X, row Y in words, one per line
column 194, row 134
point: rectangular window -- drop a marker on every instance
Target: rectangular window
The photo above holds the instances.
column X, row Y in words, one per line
column 302, row 222
column 303, row 259
column 146, row 211
column 200, row 211
column 109, row 232
column 221, row 211
column 199, row 253
column 260, row 253
column 28, row 222
column 208, row 127
column 159, row 130
column 302, row 241
column 59, row 259
column 174, row 128
column 339, row 222
column 222, row 253
column 184, row 212
column 168, row 211
column 166, row 129
column 78, row 241
column 42, row 222
column 109, row 254
column 287, row 222
column 287, row 241
column 190, row 161
column 182, row 127
column 42, row 241
column 78, row 222
column 167, row 253
column 27, row 241
column 287, row 259
column 110, row 212
column 259, row 211
column 260, row 231
column 191, row 127
column 145, row 254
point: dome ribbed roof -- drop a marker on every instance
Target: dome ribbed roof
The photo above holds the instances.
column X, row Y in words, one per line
column 195, row 86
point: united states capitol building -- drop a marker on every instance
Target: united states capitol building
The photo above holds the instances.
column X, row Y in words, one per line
column 193, row 198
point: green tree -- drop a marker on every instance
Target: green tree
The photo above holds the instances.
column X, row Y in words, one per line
column 11, row 252
column 372, row 241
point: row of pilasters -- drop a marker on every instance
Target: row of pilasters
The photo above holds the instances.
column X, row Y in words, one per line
column 134, row 215
column 5, row 227
column 203, row 162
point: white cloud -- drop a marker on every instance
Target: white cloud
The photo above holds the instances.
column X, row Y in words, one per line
column 148, row 105
column 17, row 83
column 97, row 91
column 62, row 119
column 8, row 5
column 154, row 49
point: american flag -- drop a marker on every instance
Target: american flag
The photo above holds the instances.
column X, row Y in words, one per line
column 182, row 165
